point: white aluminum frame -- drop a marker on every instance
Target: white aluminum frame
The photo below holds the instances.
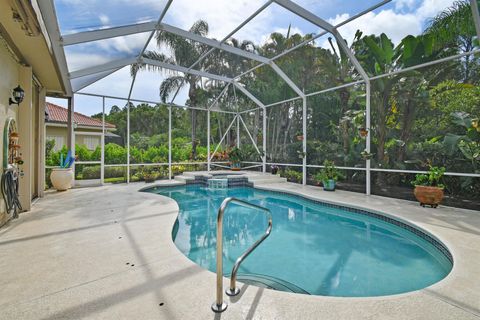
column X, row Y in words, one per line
column 58, row 42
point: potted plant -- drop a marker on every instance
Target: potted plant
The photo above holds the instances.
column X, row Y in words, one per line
column 428, row 189
column 292, row 175
column 235, row 157
column 301, row 154
column 148, row 175
column 366, row 155
column 274, row 169
column 62, row 176
column 300, row 136
column 363, row 132
column 328, row 176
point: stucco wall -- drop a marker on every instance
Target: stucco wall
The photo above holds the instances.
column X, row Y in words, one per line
column 8, row 81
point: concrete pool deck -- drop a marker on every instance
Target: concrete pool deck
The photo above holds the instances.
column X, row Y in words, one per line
column 107, row 253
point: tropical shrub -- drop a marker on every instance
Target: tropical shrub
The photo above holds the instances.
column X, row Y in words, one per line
column 93, row 172
column 292, row 175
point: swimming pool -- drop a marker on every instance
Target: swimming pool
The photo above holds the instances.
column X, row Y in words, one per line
column 314, row 248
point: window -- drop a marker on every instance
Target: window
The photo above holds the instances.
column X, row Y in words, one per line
column 91, row 142
column 59, row 142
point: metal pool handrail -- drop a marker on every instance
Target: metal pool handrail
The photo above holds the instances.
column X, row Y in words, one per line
column 219, row 305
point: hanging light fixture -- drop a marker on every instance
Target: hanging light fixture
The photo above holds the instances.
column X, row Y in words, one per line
column 18, row 94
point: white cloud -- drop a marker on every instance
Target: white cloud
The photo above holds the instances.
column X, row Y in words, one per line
column 404, row 4
column 222, row 17
column 104, row 19
column 130, row 45
column 266, row 37
column 395, row 24
column 430, row 8
column 81, row 60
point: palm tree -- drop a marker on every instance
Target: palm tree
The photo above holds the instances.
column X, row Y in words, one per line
column 454, row 29
column 184, row 52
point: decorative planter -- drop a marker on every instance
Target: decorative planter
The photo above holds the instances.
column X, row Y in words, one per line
column 62, row 178
column 235, row 166
column 149, row 178
column 329, row 185
column 427, row 195
column 14, row 136
column 366, row 155
column 363, row 132
column 300, row 137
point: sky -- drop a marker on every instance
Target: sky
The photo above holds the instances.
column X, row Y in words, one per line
column 397, row 19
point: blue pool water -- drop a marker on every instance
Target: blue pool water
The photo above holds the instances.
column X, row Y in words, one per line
column 313, row 248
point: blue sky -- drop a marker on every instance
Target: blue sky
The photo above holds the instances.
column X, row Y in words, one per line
column 397, row 19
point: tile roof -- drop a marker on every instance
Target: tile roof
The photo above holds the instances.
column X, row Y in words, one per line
column 59, row 114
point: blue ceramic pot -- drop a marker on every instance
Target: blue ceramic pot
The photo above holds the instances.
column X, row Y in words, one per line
column 329, row 185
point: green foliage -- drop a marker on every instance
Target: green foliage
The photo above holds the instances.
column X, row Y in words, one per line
column 469, row 142
column 428, row 113
column 292, row 175
column 432, row 178
column 115, row 154
column 93, row 172
column 235, row 155
column 49, row 145
column 329, row 172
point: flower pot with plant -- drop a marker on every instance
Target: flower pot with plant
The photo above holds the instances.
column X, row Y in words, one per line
column 301, row 154
column 300, row 136
column 235, row 157
column 328, row 176
column 148, row 175
column 274, row 169
column 62, row 176
column 428, row 189
column 366, row 155
column 363, row 132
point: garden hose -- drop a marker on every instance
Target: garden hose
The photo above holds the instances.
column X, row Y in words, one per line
column 9, row 185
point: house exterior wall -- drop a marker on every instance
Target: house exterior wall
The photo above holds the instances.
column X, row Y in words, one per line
column 27, row 61
column 9, row 80
column 61, row 132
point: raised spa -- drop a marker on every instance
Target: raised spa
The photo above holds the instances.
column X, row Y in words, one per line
column 314, row 248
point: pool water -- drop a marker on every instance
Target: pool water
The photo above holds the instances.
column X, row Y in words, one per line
column 313, row 248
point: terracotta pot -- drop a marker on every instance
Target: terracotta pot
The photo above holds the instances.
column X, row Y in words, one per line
column 235, row 166
column 62, row 178
column 426, row 195
column 363, row 132
column 300, row 137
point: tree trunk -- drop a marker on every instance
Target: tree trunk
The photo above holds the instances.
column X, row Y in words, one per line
column 344, row 95
column 381, row 131
column 407, row 124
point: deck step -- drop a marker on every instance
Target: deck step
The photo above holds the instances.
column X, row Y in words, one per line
column 183, row 178
column 266, row 181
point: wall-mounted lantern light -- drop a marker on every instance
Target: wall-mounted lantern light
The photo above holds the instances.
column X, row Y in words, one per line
column 18, row 95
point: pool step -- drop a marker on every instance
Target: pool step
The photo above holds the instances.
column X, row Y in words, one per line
column 265, row 180
column 256, row 179
column 269, row 282
column 183, row 178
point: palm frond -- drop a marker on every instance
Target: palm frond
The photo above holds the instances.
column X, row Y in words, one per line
column 169, row 85
column 452, row 23
column 153, row 55
column 200, row 27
